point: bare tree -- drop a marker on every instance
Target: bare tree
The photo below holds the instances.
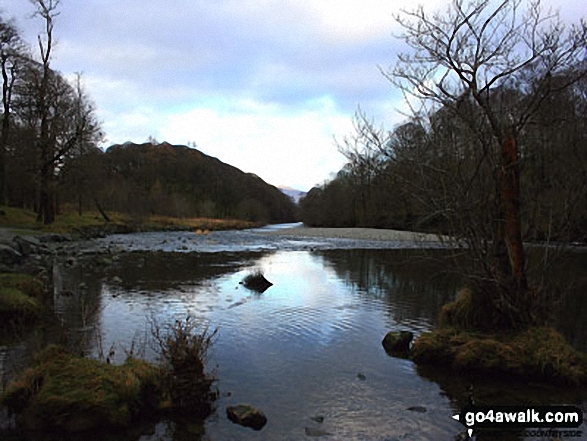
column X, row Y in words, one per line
column 47, row 10
column 471, row 60
column 364, row 152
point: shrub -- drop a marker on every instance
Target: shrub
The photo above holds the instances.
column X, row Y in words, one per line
column 183, row 348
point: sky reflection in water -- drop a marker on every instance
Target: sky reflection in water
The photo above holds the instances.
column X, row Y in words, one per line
column 295, row 351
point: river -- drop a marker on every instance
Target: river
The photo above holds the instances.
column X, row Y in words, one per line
column 307, row 351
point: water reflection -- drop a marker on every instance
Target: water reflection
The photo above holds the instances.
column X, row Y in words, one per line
column 307, row 349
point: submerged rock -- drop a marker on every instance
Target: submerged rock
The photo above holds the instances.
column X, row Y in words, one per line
column 310, row 431
column 318, row 419
column 397, row 342
column 246, row 415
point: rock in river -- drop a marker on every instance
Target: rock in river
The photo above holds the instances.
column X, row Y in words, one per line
column 397, row 342
column 246, row 415
column 256, row 282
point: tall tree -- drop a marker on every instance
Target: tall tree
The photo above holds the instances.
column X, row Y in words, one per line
column 10, row 56
column 47, row 10
column 471, row 60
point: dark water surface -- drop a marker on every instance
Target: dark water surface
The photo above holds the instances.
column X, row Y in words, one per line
column 307, row 349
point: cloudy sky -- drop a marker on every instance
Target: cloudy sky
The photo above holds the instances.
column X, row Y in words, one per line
column 264, row 85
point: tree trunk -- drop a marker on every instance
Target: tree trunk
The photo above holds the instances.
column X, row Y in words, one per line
column 510, row 196
column 101, row 210
column 6, row 98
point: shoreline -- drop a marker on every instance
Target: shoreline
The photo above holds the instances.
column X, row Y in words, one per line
column 359, row 233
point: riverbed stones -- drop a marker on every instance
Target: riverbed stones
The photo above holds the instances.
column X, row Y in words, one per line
column 315, row 432
column 54, row 237
column 29, row 245
column 396, row 342
column 9, row 256
column 246, row 415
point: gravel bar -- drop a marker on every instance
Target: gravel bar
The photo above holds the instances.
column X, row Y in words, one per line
column 372, row 234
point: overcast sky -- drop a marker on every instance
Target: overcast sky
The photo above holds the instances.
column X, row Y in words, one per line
column 264, row 85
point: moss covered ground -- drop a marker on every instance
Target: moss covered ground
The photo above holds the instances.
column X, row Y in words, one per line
column 539, row 353
column 66, row 393
column 20, row 299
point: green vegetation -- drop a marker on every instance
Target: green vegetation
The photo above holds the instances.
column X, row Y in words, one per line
column 539, row 353
column 72, row 394
column 66, row 393
column 171, row 180
column 50, row 152
column 91, row 223
column 183, row 351
column 467, row 340
column 20, row 299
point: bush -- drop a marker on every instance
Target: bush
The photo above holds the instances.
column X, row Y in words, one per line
column 483, row 307
column 184, row 352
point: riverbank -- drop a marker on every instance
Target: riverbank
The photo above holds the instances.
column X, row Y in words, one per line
column 371, row 234
column 16, row 221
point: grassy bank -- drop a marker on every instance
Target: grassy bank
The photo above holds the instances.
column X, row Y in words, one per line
column 20, row 299
column 63, row 393
column 66, row 393
column 92, row 223
column 465, row 341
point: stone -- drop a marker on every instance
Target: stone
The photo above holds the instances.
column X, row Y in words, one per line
column 246, row 415
column 397, row 342
column 256, row 282
column 9, row 256
column 54, row 237
column 29, row 245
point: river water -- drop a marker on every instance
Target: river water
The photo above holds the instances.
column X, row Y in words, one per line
column 307, row 351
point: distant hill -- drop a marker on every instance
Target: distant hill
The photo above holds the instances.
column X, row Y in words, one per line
column 294, row 194
column 177, row 180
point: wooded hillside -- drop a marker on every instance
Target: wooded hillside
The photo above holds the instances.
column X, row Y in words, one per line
column 172, row 180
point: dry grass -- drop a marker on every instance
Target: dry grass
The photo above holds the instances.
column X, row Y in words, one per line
column 74, row 394
column 539, row 353
column 70, row 222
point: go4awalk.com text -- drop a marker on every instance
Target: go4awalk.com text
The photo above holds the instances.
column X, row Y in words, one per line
column 561, row 421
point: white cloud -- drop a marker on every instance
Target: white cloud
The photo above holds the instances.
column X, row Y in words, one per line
column 282, row 147
column 262, row 84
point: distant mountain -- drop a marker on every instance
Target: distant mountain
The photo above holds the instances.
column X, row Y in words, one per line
column 177, row 180
column 296, row 195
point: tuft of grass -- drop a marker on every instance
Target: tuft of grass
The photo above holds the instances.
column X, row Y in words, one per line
column 73, row 394
column 540, row 353
column 20, row 296
column 29, row 285
column 17, row 306
column 184, row 348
